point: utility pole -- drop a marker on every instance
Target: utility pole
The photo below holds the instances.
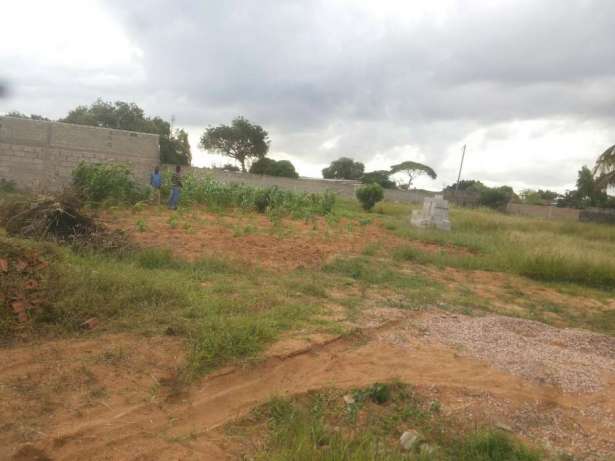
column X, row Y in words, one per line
column 463, row 154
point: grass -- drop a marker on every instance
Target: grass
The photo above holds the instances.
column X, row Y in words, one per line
column 321, row 426
column 549, row 251
column 225, row 311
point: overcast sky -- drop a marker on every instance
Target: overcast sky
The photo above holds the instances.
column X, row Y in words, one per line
column 528, row 85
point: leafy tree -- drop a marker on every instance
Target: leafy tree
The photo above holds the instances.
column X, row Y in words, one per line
column 369, row 195
column 538, row 197
column 496, row 197
column 379, row 177
column 588, row 193
column 413, row 170
column 272, row 167
column 466, row 185
column 240, row 140
column 605, row 168
column 343, row 168
column 174, row 145
column 18, row 114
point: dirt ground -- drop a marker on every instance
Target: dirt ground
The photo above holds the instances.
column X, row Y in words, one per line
column 254, row 239
column 117, row 396
column 113, row 397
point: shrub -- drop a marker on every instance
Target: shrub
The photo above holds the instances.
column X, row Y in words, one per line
column 369, row 195
column 112, row 183
column 495, row 198
column 7, row 186
column 270, row 167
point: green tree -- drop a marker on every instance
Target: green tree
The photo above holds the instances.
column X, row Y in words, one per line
column 588, row 191
column 18, row 114
column 174, row 145
column 240, row 140
column 270, row 167
column 604, row 170
column 538, row 197
column 343, row 168
column 413, row 170
column 466, row 185
column 379, row 177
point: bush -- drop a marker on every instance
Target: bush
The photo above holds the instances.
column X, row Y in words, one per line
column 495, row 198
column 270, row 167
column 369, row 195
column 7, row 186
column 112, row 183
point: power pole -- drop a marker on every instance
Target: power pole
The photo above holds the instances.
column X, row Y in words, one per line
column 463, row 154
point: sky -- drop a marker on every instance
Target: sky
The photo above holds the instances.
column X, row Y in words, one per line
column 527, row 85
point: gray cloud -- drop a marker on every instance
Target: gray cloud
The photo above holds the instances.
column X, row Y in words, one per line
column 378, row 80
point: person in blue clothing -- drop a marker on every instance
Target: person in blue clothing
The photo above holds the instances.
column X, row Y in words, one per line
column 176, row 188
column 155, row 180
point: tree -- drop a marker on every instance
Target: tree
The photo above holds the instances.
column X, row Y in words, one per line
column 466, row 185
column 270, row 167
column 588, row 193
column 538, row 197
column 379, row 177
column 413, row 170
column 343, row 168
column 174, row 145
column 605, row 168
column 240, row 140
column 18, row 114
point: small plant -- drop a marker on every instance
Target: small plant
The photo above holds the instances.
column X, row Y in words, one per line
column 369, row 195
column 141, row 225
column 173, row 222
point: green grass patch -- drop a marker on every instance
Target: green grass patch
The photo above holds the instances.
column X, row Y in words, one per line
column 321, row 426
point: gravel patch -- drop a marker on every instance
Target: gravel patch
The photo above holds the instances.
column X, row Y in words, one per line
column 573, row 360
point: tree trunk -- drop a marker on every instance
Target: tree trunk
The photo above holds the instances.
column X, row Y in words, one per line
column 243, row 164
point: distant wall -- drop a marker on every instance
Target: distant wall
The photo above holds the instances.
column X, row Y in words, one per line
column 40, row 155
column 547, row 212
column 597, row 215
column 344, row 188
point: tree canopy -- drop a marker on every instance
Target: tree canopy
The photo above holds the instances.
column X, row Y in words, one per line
column 174, row 145
column 18, row 114
column 380, row 177
column 413, row 170
column 271, row 167
column 604, row 169
column 344, row 168
column 589, row 193
column 538, row 197
column 240, row 140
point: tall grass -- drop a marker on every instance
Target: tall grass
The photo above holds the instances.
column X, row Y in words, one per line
column 552, row 251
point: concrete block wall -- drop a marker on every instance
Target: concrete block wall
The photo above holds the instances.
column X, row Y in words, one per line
column 40, row 155
column 546, row 212
column 343, row 188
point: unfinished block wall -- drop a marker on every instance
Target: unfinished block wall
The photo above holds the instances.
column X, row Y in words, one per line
column 40, row 155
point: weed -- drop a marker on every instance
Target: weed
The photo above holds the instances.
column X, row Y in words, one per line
column 141, row 227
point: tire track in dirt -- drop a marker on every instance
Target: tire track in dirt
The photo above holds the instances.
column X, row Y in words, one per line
column 187, row 426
